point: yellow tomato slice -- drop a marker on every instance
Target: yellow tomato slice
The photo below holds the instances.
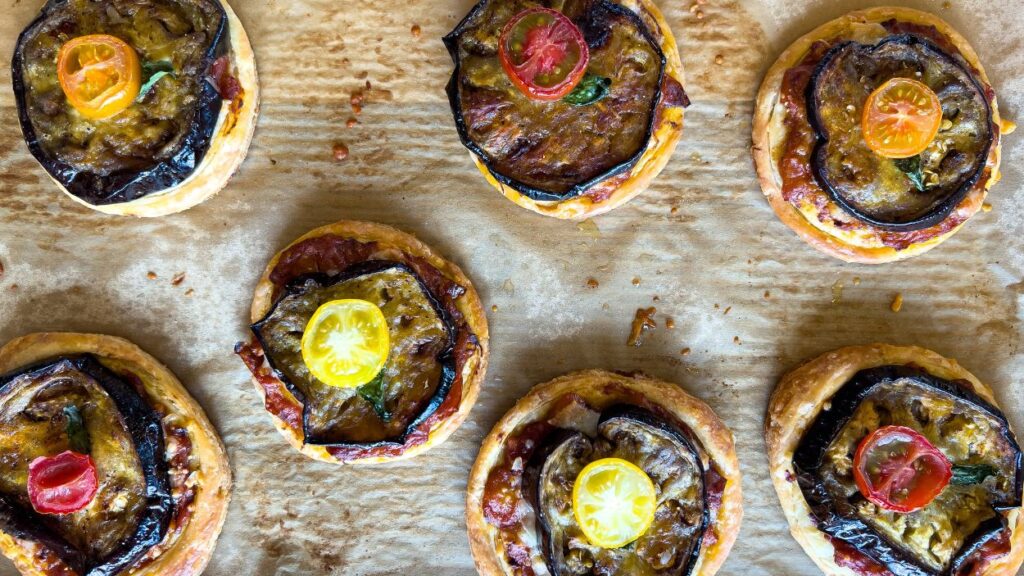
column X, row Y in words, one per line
column 346, row 343
column 901, row 118
column 100, row 75
column 614, row 502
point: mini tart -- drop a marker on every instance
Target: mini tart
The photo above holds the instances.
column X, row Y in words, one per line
column 783, row 137
column 620, row 182
column 339, row 261
column 189, row 505
column 507, row 534
column 209, row 140
column 838, row 391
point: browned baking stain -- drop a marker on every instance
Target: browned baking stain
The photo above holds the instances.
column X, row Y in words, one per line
column 642, row 322
column 416, row 30
column 592, row 283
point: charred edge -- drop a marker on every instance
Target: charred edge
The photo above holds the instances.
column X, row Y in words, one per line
column 808, row 457
column 532, row 475
column 446, row 358
column 126, row 186
column 821, row 140
column 144, row 426
column 455, row 101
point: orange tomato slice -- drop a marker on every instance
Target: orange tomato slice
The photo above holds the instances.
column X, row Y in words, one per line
column 901, row 118
column 100, row 75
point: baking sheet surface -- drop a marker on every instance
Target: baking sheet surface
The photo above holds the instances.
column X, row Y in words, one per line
column 748, row 298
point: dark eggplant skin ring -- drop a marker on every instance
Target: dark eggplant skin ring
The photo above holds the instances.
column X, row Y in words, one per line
column 446, row 359
column 795, row 405
column 147, row 435
column 187, row 551
column 469, row 305
column 455, row 100
column 220, row 138
column 807, row 459
column 946, row 207
column 541, row 455
column 119, row 188
column 602, row 390
column 664, row 132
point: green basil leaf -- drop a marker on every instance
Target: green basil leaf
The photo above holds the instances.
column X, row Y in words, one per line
column 591, row 89
column 912, row 168
column 78, row 436
column 971, row 474
column 153, row 72
column 374, row 392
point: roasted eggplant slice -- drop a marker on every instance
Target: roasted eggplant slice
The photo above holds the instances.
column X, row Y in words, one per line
column 939, row 537
column 908, row 194
column 415, row 379
column 132, row 507
column 556, row 150
column 671, row 545
column 160, row 139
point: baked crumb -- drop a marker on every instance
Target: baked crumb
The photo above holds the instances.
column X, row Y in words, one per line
column 494, row 307
column 642, row 322
column 340, row 151
column 685, row 352
column 592, row 283
column 151, row 275
column 190, row 292
column 351, row 122
column 178, row 279
column 897, row 302
column 767, row 294
column 670, row 323
column 636, row 281
column 416, row 30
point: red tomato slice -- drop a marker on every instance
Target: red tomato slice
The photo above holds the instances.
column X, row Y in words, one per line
column 543, row 53
column 898, row 469
column 62, row 484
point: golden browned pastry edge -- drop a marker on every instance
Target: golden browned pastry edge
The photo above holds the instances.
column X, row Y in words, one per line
column 228, row 147
column 769, row 135
column 659, row 150
column 469, row 304
column 714, row 436
column 190, row 553
column 795, row 404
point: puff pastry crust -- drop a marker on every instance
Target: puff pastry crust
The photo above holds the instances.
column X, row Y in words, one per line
column 769, row 136
column 593, row 387
column 189, row 554
column 666, row 134
column 796, row 402
column 468, row 304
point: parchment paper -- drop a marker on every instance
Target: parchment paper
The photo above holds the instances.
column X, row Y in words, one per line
column 748, row 298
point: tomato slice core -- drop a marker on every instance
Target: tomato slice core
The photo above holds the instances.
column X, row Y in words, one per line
column 543, row 53
column 62, row 484
column 901, row 118
column 898, row 469
column 100, row 75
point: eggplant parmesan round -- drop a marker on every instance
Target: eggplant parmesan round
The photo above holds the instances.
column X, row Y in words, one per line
column 895, row 460
column 591, row 149
column 437, row 344
column 833, row 159
column 142, row 108
column 523, row 508
column 150, row 477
